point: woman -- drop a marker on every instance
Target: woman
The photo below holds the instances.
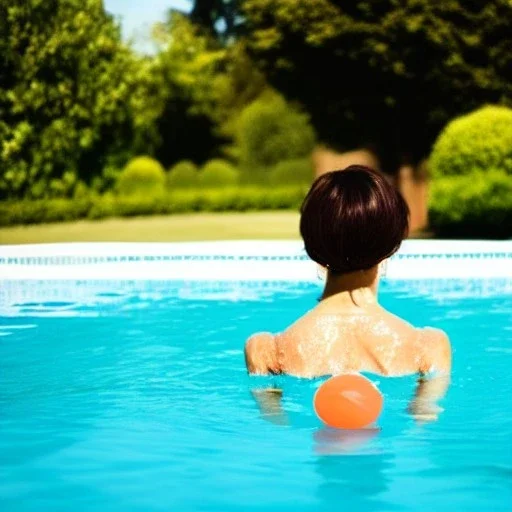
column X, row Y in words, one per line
column 351, row 222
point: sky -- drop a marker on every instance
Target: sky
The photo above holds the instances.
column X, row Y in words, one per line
column 137, row 17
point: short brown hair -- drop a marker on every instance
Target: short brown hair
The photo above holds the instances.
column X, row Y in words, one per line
column 353, row 219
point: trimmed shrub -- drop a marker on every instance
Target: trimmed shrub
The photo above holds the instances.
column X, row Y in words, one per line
column 292, row 172
column 103, row 207
column 43, row 211
column 252, row 199
column 218, row 173
column 269, row 131
column 184, row 174
column 477, row 142
column 142, row 175
column 475, row 206
column 177, row 201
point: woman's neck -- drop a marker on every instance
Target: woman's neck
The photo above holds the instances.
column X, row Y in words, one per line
column 358, row 288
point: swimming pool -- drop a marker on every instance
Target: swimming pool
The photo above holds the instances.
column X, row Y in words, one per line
column 123, row 387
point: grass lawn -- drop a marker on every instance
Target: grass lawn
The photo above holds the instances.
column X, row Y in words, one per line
column 172, row 228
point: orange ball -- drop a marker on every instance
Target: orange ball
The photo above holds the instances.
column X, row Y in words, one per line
column 348, row 401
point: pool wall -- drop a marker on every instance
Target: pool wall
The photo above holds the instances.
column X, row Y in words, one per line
column 242, row 260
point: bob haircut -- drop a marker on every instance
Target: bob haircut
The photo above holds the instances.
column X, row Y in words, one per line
column 353, row 219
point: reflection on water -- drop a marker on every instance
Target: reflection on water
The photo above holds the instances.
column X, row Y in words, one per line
column 330, row 441
column 352, row 482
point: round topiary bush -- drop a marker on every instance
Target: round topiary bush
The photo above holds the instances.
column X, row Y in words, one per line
column 184, row 174
column 218, row 173
column 477, row 142
column 142, row 175
column 292, row 172
column 269, row 131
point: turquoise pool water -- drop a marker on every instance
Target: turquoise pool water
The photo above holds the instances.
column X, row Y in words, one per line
column 134, row 397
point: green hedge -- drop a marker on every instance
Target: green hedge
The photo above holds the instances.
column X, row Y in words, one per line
column 43, row 210
column 292, row 172
column 142, row 175
column 179, row 201
column 477, row 142
column 184, row 174
column 218, row 173
column 475, row 206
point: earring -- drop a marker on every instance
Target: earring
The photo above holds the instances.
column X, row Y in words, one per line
column 321, row 272
column 383, row 268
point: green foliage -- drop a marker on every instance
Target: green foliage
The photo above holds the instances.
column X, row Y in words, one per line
column 239, row 84
column 142, row 175
column 471, row 193
column 472, row 206
column 218, row 173
column 65, row 85
column 189, row 59
column 291, row 172
column 177, row 201
column 477, row 142
column 74, row 99
column 63, row 187
column 185, row 73
column 386, row 75
column 203, row 85
column 81, row 191
column 270, row 130
column 42, row 211
column 184, row 174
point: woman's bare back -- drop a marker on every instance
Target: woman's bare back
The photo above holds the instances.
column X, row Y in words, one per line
column 330, row 340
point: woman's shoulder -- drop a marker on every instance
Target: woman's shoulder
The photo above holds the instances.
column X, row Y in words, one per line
column 260, row 354
column 436, row 350
column 430, row 346
column 433, row 334
column 395, row 324
column 265, row 351
column 425, row 334
column 305, row 324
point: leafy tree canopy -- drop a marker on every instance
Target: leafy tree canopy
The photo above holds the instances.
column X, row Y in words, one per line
column 205, row 84
column 385, row 74
column 65, row 84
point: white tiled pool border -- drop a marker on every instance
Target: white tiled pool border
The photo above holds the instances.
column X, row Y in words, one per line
column 241, row 260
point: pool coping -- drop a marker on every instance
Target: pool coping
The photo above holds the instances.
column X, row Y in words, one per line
column 248, row 260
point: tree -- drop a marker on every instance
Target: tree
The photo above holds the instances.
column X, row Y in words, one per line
column 188, row 68
column 205, row 83
column 270, row 131
column 384, row 74
column 65, row 85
